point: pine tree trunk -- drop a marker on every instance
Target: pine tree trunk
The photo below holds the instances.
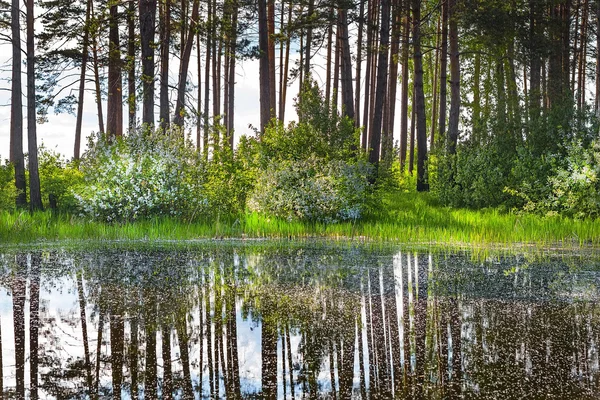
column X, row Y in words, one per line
column 35, row 194
column 165, row 38
column 273, row 85
column 207, row 78
column 328, row 61
column 167, row 389
column 17, row 157
column 390, row 110
column 183, row 68
column 444, row 72
column 199, row 94
column 436, row 74
column 381, row 88
column 454, row 80
column 265, row 82
column 597, row 103
column 404, row 98
column 80, row 98
column 114, row 123
column 147, row 28
column 361, row 17
column 419, row 105
column 131, row 98
column 368, row 73
column 346, row 65
column 98, row 91
column 231, row 78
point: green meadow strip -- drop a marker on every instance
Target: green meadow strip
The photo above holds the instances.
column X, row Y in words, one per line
column 405, row 218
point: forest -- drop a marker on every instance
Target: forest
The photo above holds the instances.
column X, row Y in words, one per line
column 403, row 108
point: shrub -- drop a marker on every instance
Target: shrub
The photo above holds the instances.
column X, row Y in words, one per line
column 8, row 191
column 146, row 174
column 312, row 190
column 58, row 179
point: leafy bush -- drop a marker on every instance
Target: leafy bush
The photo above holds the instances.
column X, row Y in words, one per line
column 572, row 189
column 146, row 174
column 311, row 169
column 58, row 179
column 312, row 190
column 8, row 191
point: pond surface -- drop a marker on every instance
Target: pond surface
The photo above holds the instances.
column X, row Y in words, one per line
column 296, row 321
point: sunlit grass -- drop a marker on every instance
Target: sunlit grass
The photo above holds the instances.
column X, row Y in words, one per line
column 407, row 218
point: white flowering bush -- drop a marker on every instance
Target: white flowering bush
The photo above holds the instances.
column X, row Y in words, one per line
column 312, row 190
column 146, row 174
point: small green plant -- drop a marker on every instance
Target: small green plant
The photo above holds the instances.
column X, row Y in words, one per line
column 58, row 180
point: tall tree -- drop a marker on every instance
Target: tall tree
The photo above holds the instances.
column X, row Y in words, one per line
column 165, row 39
column 84, row 62
column 405, row 74
column 35, row 194
column 16, row 108
column 346, row 64
column 114, row 123
column 264, row 76
column 444, row 70
column 147, row 10
column 454, row 79
column 131, row 83
column 419, row 105
column 380, row 94
column 183, row 67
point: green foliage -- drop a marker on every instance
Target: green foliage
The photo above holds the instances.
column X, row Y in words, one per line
column 312, row 190
column 145, row 174
column 228, row 178
column 8, row 192
column 310, row 170
column 321, row 132
column 572, row 189
column 58, row 179
column 474, row 177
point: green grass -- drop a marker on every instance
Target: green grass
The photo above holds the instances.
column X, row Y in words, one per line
column 407, row 218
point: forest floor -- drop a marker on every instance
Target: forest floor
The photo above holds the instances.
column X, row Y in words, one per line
column 404, row 218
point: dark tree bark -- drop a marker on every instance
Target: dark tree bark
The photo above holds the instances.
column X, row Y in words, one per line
column 368, row 73
column 183, row 68
column 188, row 393
column 114, row 123
column 147, row 29
column 133, row 357
column 404, row 98
column 346, row 64
column 309, row 38
column 361, row 17
column 131, row 96
column 597, row 100
column 381, row 89
column 165, row 39
column 81, row 94
column 421, row 120
column 35, row 194
column 16, row 109
column 207, row 78
column 265, row 82
column 454, row 79
column 150, row 379
column 535, row 62
column 231, row 75
column 271, row 41
column 444, row 71
column 94, row 34
column 389, row 112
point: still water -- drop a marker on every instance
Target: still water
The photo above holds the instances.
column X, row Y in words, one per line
column 297, row 321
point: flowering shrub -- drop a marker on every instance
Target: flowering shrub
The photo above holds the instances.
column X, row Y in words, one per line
column 148, row 173
column 312, row 190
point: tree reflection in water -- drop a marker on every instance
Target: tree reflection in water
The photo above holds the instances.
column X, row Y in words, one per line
column 302, row 322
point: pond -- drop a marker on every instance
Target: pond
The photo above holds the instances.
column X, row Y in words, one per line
column 296, row 320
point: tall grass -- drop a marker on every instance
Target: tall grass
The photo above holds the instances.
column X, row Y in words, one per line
column 408, row 218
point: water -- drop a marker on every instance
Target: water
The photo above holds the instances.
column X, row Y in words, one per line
column 298, row 321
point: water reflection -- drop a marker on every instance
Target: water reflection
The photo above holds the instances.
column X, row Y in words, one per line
column 294, row 323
